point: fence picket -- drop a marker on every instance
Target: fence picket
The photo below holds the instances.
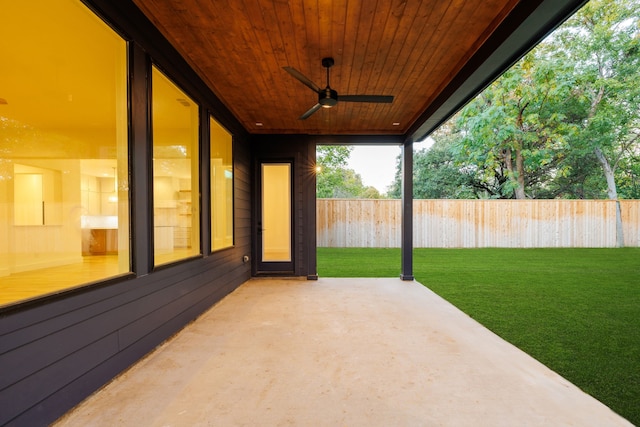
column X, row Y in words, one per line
column 478, row 223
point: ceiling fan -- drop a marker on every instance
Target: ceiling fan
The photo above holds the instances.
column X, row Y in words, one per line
column 328, row 97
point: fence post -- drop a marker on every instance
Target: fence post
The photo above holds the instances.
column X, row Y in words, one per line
column 619, row 229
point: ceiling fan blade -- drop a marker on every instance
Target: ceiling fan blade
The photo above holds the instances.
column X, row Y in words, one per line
column 381, row 99
column 310, row 112
column 298, row 75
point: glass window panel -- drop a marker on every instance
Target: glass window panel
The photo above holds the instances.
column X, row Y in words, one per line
column 64, row 191
column 221, row 187
column 176, row 192
column 276, row 212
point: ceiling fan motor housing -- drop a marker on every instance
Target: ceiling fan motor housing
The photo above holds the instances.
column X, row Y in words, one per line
column 327, row 97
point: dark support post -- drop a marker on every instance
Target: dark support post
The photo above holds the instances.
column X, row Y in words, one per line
column 407, row 211
column 310, row 197
column 142, row 227
column 205, row 183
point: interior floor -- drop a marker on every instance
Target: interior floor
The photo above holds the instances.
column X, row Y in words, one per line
column 34, row 283
column 29, row 284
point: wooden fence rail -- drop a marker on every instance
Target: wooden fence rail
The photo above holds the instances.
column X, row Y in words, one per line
column 478, row 223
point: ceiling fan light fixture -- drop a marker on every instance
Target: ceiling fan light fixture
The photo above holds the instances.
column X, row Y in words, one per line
column 327, row 97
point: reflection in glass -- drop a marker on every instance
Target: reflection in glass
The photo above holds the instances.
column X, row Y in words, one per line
column 276, row 212
column 175, row 172
column 63, row 149
column 221, row 187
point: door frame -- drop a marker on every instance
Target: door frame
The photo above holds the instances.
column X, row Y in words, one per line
column 273, row 268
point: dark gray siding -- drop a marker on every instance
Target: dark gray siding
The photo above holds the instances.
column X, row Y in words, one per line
column 56, row 354
column 57, row 350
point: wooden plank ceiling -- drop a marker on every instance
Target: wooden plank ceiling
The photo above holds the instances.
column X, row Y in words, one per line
column 410, row 49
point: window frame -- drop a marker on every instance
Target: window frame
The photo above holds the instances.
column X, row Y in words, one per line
column 195, row 178
column 213, row 250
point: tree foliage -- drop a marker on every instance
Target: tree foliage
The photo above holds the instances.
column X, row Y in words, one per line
column 563, row 122
column 436, row 173
column 516, row 131
column 603, row 44
column 335, row 180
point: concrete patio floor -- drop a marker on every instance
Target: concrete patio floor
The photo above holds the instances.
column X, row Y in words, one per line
column 338, row 352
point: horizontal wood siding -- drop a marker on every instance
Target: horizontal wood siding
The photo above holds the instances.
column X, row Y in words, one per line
column 106, row 330
column 478, row 223
column 56, row 351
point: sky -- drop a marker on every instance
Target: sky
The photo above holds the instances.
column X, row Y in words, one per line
column 377, row 164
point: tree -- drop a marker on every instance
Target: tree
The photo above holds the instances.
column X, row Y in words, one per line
column 628, row 175
column 334, row 179
column 436, row 174
column 515, row 131
column 564, row 122
column 331, row 160
column 603, row 43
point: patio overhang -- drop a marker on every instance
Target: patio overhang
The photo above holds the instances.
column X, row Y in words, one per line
column 415, row 51
column 431, row 56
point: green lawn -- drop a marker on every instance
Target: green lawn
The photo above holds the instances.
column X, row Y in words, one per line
column 575, row 310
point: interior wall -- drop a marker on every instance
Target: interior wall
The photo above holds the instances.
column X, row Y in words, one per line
column 49, row 239
column 56, row 351
column 6, row 193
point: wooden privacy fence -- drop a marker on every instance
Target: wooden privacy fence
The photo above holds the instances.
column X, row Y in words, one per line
column 478, row 223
